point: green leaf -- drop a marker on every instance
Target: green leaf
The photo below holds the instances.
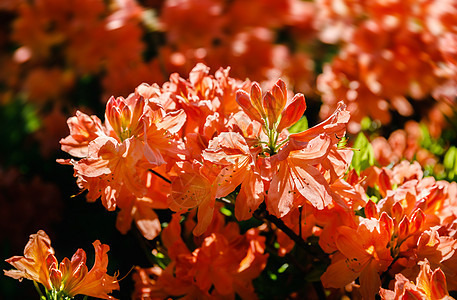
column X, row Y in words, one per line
column 226, row 212
column 31, row 118
column 363, row 154
column 273, row 276
column 365, row 123
column 300, row 126
column 433, row 145
column 283, row 268
column 449, row 158
column 450, row 162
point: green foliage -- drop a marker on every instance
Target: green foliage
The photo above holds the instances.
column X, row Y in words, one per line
column 434, row 146
column 31, row 119
column 363, row 154
column 226, row 212
column 300, row 126
column 369, row 125
column 18, row 120
column 450, row 163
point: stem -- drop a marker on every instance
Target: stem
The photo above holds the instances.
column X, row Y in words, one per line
column 319, row 288
column 262, row 214
column 276, row 139
column 282, row 143
column 38, row 290
column 300, row 208
column 161, row 176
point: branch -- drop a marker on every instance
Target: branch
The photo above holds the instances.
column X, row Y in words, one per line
column 262, row 214
column 161, row 176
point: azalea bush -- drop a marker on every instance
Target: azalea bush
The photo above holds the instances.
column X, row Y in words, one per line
column 262, row 150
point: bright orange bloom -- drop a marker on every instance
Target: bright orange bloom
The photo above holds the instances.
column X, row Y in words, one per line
column 429, row 285
column 258, row 154
column 224, row 264
column 384, row 59
column 305, row 165
column 70, row 278
column 83, row 129
column 193, row 187
column 206, row 99
column 363, row 254
column 273, row 109
column 117, row 157
column 230, row 150
column 403, row 144
column 297, row 173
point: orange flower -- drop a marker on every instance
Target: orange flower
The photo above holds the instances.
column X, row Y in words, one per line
column 224, row 264
column 297, row 173
column 138, row 135
column 83, row 129
column 70, row 278
column 230, row 149
column 363, row 254
column 429, row 285
column 193, row 188
column 303, row 162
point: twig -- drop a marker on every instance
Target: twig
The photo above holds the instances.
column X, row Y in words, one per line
column 39, row 290
column 300, row 208
column 319, row 288
column 161, row 176
column 262, row 214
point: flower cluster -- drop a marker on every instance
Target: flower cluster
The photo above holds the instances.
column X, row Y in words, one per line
column 195, row 143
column 223, row 264
column 206, row 139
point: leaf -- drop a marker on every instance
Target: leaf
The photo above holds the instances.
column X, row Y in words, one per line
column 363, row 154
column 300, row 126
column 433, row 145
column 226, row 212
column 283, row 268
column 450, row 162
column 449, row 158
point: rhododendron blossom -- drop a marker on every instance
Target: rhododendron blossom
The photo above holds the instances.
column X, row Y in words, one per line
column 223, row 264
column 70, row 277
column 258, row 158
column 429, row 285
